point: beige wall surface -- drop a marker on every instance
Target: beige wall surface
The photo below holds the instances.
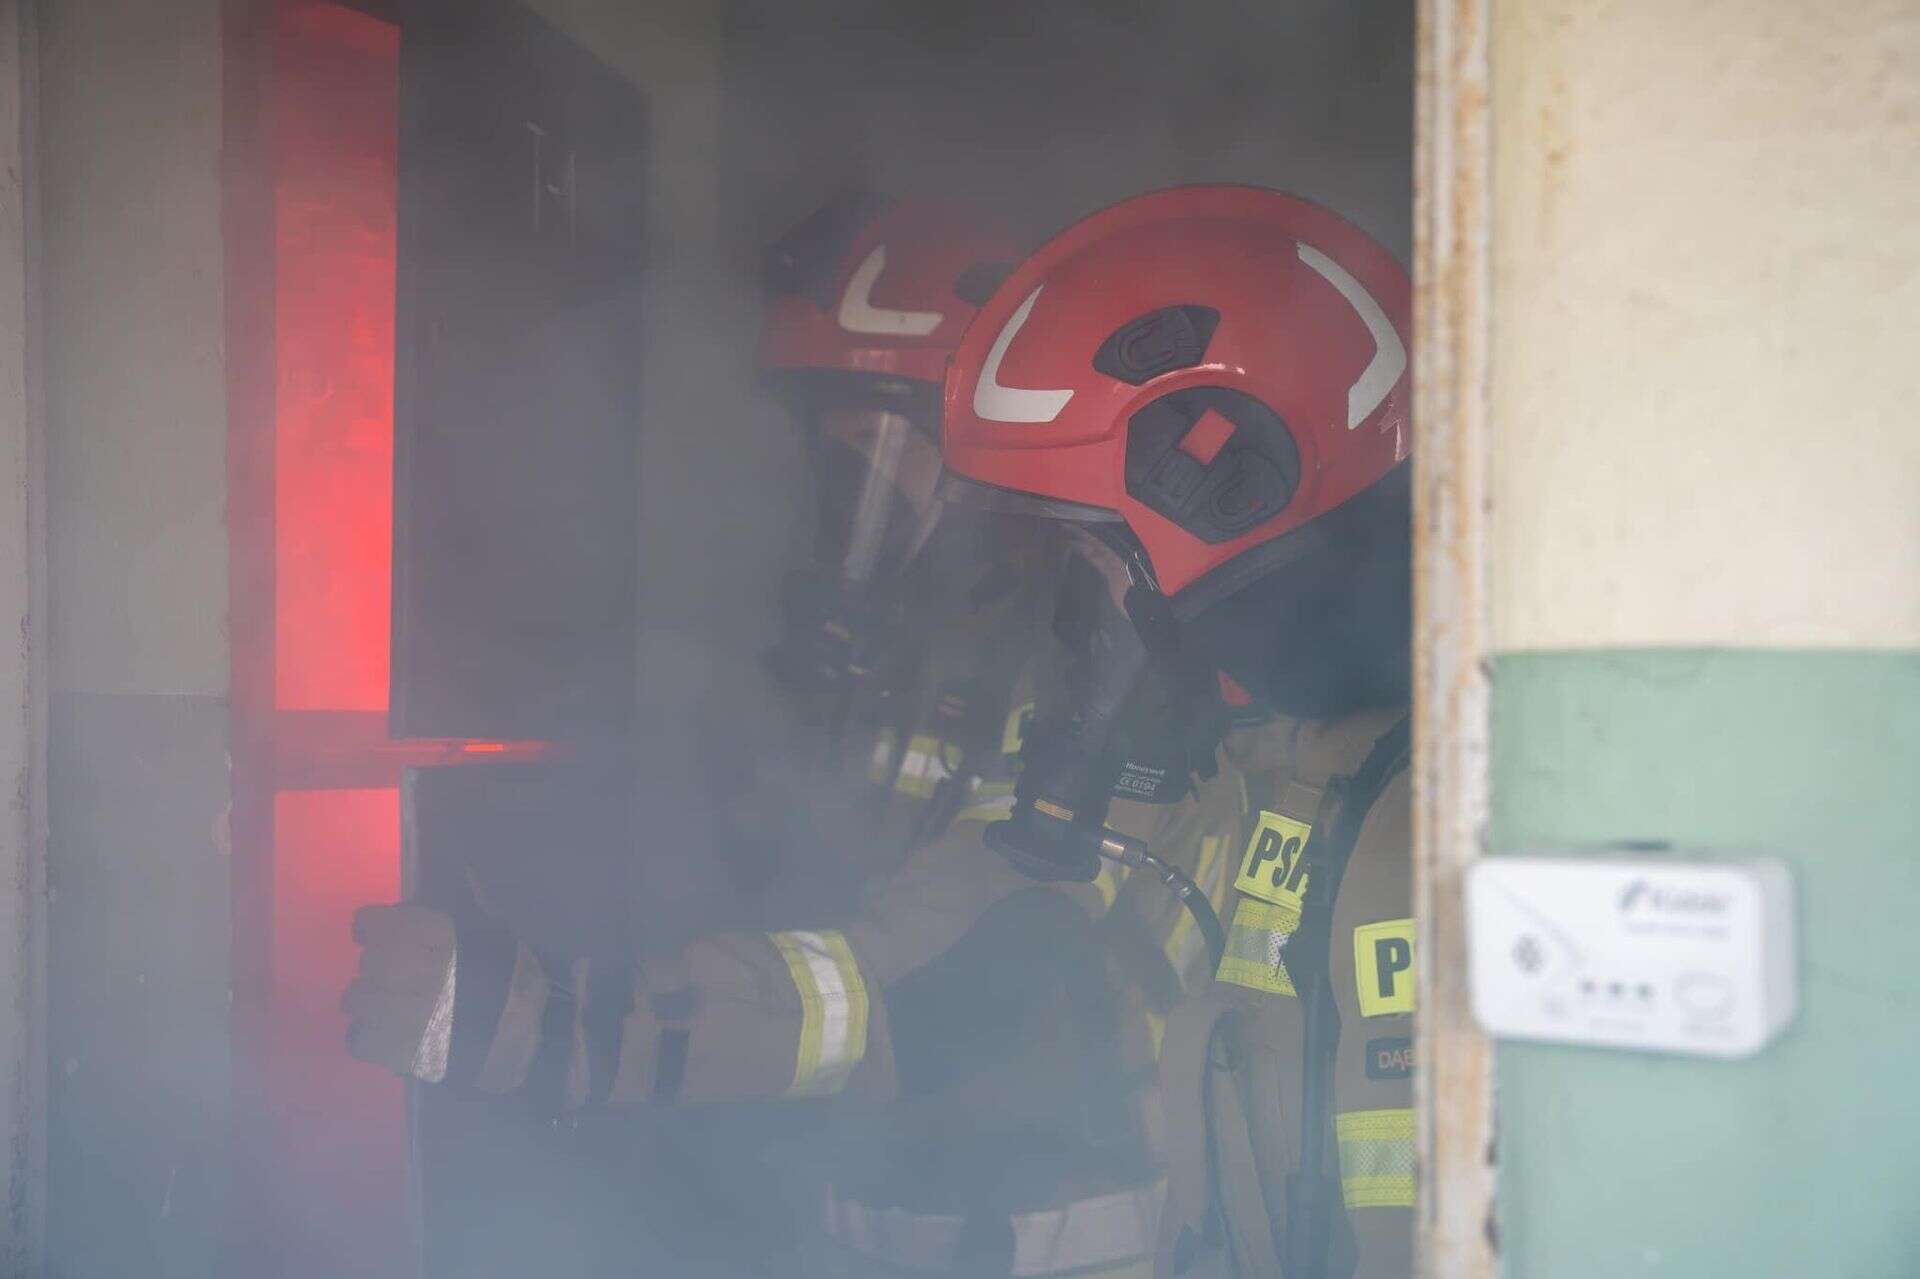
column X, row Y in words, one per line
column 1707, row 278
column 136, row 382
column 137, row 934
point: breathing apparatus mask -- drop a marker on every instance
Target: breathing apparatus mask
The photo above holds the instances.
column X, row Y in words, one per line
column 1129, row 715
column 1314, row 625
column 873, row 472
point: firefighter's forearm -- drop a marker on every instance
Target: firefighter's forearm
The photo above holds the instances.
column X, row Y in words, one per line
column 745, row 1016
column 756, row 1016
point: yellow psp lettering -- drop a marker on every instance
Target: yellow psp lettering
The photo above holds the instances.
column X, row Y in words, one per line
column 1274, row 869
column 1383, row 967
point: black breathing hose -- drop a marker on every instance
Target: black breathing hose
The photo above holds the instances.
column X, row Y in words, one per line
column 1132, row 853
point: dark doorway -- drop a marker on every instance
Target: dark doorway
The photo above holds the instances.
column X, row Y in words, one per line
column 378, row 222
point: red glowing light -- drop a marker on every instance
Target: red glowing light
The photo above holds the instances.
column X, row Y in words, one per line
column 336, row 128
column 336, row 1127
column 315, row 755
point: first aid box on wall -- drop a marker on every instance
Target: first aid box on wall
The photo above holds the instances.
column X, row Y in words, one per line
column 1657, row 953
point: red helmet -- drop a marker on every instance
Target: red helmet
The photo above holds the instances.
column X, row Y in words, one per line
column 869, row 296
column 1213, row 365
column 878, row 290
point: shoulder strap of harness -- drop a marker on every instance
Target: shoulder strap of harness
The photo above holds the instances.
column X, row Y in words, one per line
column 1311, row 1190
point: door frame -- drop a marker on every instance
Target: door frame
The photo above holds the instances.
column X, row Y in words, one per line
column 1453, row 1091
column 23, row 669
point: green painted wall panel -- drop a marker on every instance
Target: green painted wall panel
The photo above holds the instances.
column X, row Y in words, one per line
column 1806, row 1159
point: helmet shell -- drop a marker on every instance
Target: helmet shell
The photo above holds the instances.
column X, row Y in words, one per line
column 876, row 289
column 1215, row 365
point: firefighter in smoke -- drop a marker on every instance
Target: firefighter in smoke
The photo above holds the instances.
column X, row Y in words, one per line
column 1211, row 384
column 984, row 1035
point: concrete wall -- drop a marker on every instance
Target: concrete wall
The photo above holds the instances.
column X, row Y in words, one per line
column 137, row 388
column 136, row 467
column 1706, row 595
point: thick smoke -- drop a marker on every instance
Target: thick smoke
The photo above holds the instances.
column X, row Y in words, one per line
column 1040, row 113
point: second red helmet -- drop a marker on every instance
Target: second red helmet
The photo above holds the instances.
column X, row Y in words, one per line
column 871, row 290
column 867, row 298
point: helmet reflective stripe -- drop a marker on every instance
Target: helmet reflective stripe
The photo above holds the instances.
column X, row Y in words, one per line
column 833, row 1010
column 858, row 314
column 1389, row 355
column 997, row 403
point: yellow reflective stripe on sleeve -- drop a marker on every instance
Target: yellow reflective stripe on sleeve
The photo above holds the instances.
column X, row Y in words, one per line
column 928, row 762
column 925, row 763
column 1107, row 882
column 1254, row 941
column 833, row 1010
column 1376, row 1158
column 1273, row 869
column 1383, row 967
column 989, row 802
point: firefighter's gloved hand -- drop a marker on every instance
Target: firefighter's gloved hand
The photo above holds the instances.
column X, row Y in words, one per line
column 401, row 1001
column 438, row 1004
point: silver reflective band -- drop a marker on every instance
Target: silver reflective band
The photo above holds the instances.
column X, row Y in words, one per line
column 916, row 1240
column 436, row 1041
column 1104, row 1231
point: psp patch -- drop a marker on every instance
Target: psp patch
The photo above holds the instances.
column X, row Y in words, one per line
column 1275, row 869
column 1383, row 967
column 1390, row 1058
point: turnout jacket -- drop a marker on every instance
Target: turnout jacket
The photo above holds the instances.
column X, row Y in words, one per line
column 1232, row 1067
column 1005, row 1029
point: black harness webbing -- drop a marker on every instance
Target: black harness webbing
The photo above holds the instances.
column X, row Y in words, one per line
column 1311, row 1190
